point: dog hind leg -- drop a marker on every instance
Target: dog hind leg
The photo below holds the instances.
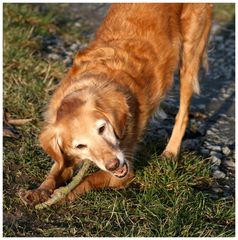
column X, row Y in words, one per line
column 195, row 31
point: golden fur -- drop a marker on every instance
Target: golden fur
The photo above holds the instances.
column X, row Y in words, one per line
column 119, row 81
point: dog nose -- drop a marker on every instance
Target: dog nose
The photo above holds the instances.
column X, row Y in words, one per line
column 113, row 164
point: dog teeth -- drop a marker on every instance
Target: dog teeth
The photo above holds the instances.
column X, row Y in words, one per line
column 121, row 172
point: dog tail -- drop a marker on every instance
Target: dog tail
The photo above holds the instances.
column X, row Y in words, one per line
column 205, row 63
column 204, row 69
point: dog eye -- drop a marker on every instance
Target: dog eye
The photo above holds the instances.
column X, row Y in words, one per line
column 101, row 129
column 81, row 146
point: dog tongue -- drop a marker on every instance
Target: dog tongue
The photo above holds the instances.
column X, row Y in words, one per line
column 121, row 172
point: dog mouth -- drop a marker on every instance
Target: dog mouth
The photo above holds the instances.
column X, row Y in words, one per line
column 121, row 171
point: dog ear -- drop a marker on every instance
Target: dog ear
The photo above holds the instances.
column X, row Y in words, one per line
column 49, row 142
column 118, row 122
column 117, row 113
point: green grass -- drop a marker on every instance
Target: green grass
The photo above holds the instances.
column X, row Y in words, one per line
column 223, row 12
column 166, row 198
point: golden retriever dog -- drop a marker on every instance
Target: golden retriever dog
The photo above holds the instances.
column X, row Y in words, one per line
column 100, row 109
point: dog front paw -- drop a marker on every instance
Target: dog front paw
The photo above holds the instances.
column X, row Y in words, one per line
column 33, row 197
column 169, row 154
column 70, row 197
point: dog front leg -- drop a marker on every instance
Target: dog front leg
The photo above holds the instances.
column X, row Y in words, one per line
column 98, row 180
column 55, row 179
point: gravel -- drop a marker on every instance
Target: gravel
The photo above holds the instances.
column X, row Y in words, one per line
column 216, row 160
column 226, row 150
column 229, row 163
column 213, row 138
column 218, row 174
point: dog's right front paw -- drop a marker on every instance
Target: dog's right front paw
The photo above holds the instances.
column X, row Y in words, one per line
column 169, row 155
column 33, row 197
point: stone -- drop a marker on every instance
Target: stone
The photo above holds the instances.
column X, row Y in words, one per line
column 205, row 151
column 227, row 187
column 161, row 114
column 68, row 61
column 229, row 164
column 225, row 95
column 214, row 148
column 213, row 129
column 163, row 134
column 201, row 130
column 218, row 38
column 74, row 47
column 216, row 154
column 226, row 150
column 78, row 24
column 223, row 115
column 209, row 132
column 190, row 144
column 216, row 160
column 214, row 168
column 201, row 106
column 219, row 174
column 54, row 56
column 207, row 143
column 217, row 190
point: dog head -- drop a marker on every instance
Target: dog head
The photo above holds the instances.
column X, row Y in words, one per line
column 89, row 128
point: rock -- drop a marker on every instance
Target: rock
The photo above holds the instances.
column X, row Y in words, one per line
column 214, row 168
column 163, row 134
column 215, row 130
column 68, row 61
column 216, row 160
column 193, row 126
column 207, row 143
column 190, row 144
column 226, row 150
column 201, row 106
column 216, row 154
column 53, row 56
column 217, row 190
column 205, row 151
column 214, row 148
column 218, row 38
column 78, row 24
column 51, row 41
column 225, row 95
column 169, row 107
column 202, row 130
column 223, row 115
column 69, row 54
column 161, row 114
column 218, row 174
column 74, row 47
column 209, row 132
column 227, row 187
column 229, row 164
column 215, row 28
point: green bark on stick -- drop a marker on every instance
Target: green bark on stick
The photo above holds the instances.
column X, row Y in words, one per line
column 64, row 191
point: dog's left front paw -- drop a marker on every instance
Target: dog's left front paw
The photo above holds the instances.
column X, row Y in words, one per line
column 33, row 197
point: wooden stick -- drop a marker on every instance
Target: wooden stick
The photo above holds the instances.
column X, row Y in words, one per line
column 19, row 121
column 63, row 191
